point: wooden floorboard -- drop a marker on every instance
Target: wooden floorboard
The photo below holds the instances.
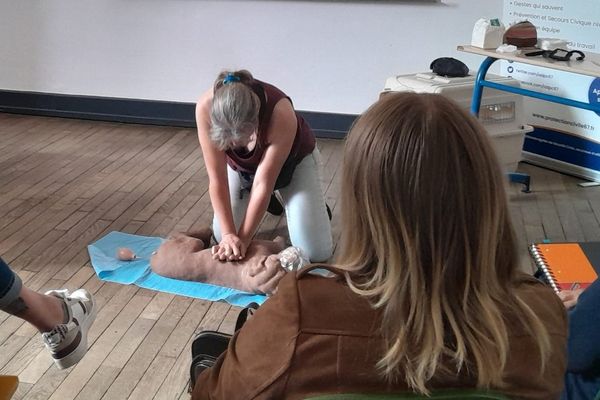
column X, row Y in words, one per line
column 65, row 183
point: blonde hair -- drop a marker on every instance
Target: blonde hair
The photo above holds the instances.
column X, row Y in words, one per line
column 426, row 234
column 235, row 108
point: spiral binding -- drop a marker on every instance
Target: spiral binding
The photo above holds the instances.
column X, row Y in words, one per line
column 541, row 263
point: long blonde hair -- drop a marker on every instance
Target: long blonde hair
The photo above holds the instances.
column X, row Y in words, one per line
column 426, row 234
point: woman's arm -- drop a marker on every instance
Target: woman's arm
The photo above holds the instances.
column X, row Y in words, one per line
column 216, row 167
column 280, row 138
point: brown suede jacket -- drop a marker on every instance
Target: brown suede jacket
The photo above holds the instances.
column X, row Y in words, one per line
column 315, row 336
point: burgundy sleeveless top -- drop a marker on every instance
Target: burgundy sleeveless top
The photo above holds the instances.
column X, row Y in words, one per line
column 304, row 142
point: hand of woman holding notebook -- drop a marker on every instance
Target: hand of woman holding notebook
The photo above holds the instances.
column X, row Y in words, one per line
column 569, row 297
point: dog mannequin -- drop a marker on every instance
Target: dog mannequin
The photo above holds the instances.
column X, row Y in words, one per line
column 187, row 256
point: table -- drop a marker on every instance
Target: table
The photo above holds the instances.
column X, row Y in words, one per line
column 589, row 66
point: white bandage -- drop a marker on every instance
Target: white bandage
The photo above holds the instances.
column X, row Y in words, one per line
column 293, row 258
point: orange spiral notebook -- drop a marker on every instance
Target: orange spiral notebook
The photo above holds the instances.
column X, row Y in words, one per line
column 567, row 266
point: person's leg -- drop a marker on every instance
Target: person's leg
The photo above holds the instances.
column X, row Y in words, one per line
column 580, row 386
column 41, row 311
column 582, row 380
column 63, row 318
column 239, row 202
column 306, row 212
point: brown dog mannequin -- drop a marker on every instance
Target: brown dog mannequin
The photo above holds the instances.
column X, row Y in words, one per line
column 186, row 256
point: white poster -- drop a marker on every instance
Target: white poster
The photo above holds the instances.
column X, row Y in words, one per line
column 565, row 138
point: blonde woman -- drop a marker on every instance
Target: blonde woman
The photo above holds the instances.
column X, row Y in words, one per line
column 254, row 143
column 426, row 293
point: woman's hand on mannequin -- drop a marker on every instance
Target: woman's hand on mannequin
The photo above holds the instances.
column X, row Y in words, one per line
column 231, row 248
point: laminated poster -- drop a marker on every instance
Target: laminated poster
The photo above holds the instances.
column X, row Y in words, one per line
column 566, row 139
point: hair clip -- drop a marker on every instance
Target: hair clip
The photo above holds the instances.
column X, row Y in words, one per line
column 230, row 78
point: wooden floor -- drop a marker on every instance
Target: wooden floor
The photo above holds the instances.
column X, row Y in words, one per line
column 65, row 183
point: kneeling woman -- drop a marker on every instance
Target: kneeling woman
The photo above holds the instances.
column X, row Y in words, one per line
column 427, row 293
column 253, row 143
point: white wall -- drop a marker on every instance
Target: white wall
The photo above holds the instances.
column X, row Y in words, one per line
column 330, row 56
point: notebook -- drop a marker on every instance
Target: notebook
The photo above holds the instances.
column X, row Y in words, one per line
column 567, row 266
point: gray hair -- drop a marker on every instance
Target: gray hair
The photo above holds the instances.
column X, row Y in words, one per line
column 235, row 107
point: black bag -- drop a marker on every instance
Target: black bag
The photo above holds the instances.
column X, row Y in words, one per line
column 448, row 66
column 206, row 348
column 209, row 345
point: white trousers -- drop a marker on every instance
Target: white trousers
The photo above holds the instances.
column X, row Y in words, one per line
column 307, row 220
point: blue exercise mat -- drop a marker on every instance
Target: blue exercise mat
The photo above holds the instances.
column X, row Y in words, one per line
column 109, row 268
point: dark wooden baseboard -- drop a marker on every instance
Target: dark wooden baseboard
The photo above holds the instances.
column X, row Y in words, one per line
column 153, row 112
